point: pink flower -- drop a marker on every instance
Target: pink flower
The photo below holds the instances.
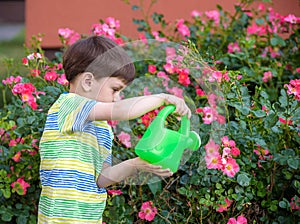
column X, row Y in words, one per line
column 240, row 220
column 233, row 47
column 208, row 115
column 183, row 77
column 225, row 141
column 151, row 69
column 211, row 147
column 220, row 119
column 231, row 167
column 28, row 97
column 213, row 15
column 298, row 70
column 69, row 36
column 212, row 100
column 25, row 61
column 125, row 139
column 63, row 80
column 169, row 68
column 11, row 80
column 65, row 32
column 291, row 19
column 20, row 186
column 143, row 38
column 163, row 75
column 294, row 88
column 148, row 211
column 157, row 37
column 35, row 72
column 113, row 123
column 176, row 91
column 114, row 192
column 34, row 55
column 51, row 75
column 17, row 157
column 224, row 207
column 226, row 152
column 200, row 92
column 195, row 14
column 261, row 7
column 182, row 28
column 170, row 52
column 295, row 203
column 284, row 121
column 267, row 76
column 213, row 161
column 255, row 29
column 112, row 22
column 148, row 117
column 235, row 151
column 146, row 91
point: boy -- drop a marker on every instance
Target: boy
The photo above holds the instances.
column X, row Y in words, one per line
column 75, row 147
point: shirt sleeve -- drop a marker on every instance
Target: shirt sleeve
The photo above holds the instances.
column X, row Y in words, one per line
column 73, row 113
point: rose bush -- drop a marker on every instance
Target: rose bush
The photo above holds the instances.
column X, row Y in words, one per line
column 241, row 74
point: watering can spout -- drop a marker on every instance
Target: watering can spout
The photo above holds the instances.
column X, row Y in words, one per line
column 163, row 146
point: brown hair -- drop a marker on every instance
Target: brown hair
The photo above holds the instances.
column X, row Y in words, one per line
column 100, row 56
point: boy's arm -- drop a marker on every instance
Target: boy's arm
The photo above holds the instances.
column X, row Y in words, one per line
column 115, row 174
column 135, row 107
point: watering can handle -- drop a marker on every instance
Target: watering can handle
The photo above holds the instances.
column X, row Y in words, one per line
column 164, row 113
column 185, row 122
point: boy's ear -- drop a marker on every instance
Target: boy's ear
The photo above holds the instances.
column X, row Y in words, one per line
column 87, row 81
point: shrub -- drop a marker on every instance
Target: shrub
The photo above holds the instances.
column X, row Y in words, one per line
column 241, row 75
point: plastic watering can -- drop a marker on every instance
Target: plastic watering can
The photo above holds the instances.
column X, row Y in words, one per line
column 162, row 146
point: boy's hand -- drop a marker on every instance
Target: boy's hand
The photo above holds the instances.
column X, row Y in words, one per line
column 181, row 107
column 142, row 165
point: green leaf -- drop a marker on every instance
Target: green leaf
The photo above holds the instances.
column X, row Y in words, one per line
column 259, row 113
column 270, row 120
column 261, row 193
column 243, row 180
column 283, row 204
column 155, row 186
column 264, row 95
column 283, row 99
column 293, row 163
column 182, row 190
column 6, row 217
column 276, row 40
column 18, row 206
column 21, row 219
column 273, row 207
column 6, row 193
column 218, row 186
column 135, row 7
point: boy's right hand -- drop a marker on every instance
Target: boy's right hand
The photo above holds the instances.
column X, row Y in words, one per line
column 181, row 107
column 142, row 165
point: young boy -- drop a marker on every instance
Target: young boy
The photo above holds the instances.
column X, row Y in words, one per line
column 75, row 147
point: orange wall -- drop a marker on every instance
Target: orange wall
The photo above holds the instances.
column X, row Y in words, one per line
column 47, row 16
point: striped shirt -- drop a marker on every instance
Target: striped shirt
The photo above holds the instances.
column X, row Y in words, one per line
column 72, row 151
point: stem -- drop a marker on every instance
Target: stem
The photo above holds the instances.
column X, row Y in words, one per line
column 4, row 98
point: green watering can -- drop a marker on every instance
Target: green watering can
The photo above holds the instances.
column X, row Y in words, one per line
column 164, row 147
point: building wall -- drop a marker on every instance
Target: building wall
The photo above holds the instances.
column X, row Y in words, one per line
column 12, row 11
column 47, row 16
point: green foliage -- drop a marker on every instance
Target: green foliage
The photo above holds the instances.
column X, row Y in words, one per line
column 261, row 116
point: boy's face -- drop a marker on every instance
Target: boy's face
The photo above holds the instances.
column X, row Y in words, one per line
column 108, row 89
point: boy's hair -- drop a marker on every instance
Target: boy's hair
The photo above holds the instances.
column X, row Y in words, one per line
column 100, row 56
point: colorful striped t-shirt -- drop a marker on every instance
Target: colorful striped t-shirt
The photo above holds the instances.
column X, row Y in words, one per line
column 72, row 151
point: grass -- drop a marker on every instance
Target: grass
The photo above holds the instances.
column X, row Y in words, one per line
column 12, row 51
